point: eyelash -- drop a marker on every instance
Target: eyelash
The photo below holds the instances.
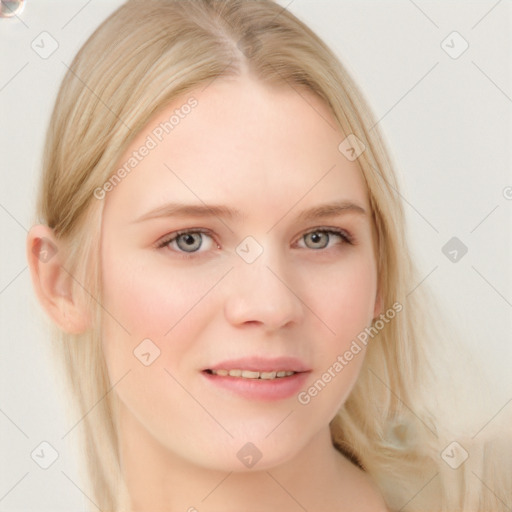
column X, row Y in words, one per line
column 346, row 237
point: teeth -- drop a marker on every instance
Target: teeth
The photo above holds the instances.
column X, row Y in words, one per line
column 248, row 374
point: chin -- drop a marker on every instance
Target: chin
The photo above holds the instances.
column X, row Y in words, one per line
column 243, row 455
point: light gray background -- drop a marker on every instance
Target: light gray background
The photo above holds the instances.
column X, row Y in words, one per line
column 448, row 125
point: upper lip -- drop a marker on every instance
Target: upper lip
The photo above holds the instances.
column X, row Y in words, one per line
column 262, row 364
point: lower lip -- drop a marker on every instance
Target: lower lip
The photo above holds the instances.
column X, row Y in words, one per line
column 260, row 389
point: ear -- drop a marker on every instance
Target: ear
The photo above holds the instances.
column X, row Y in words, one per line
column 52, row 283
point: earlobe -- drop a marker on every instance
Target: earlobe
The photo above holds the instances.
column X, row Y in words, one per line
column 51, row 282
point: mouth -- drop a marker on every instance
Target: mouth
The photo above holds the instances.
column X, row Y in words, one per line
column 257, row 378
column 249, row 374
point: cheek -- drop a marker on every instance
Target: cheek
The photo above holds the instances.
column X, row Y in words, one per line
column 152, row 302
column 344, row 299
column 150, row 299
column 344, row 296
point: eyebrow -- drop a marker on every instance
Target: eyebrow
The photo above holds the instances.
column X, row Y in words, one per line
column 221, row 211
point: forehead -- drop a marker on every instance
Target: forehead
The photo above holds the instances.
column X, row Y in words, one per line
column 243, row 142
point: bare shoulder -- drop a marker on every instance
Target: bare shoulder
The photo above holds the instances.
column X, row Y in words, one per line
column 360, row 490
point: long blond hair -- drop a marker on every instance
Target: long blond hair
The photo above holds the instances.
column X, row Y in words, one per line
column 140, row 59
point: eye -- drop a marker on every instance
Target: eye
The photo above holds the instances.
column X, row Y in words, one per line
column 321, row 238
column 187, row 241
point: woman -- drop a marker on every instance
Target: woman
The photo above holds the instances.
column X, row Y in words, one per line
column 221, row 245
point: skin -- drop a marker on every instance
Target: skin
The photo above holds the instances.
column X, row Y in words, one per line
column 270, row 153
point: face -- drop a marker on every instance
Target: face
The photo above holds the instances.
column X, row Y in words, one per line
column 240, row 241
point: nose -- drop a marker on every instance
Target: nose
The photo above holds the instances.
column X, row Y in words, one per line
column 263, row 294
